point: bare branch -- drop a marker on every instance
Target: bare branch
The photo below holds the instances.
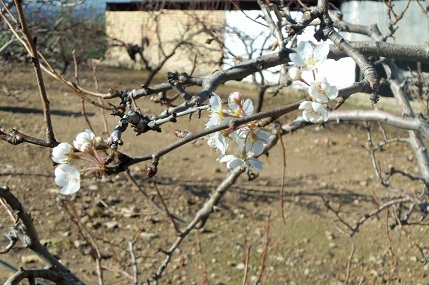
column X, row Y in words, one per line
column 29, row 237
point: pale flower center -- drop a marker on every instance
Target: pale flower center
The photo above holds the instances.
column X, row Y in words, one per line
column 311, row 61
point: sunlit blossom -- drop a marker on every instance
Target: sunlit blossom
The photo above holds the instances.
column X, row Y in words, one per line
column 62, row 153
column 234, row 99
column 84, row 141
column 254, row 139
column 68, row 177
column 238, row 106
column 322, row 91
column 241, row 159
column 218, row 141
column 218, row 114
column 314, row 112
column 237, row 160
column 309, row 57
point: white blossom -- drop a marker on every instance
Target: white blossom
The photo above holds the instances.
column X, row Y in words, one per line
column 68, row 177
column 234, row 99
column 218, row 141
column 238, row 106
column 241, row 158
column 233, row 161
column 84, row 141
column 314, row 112
column 62, row 153
column 322, row 91
column 218, row 115
column 255, row 140
column 308, row 57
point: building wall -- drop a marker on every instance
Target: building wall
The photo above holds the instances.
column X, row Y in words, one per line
column 167, row 27
column 412, row 28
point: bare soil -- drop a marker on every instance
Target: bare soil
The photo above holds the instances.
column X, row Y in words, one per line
column 331, row 161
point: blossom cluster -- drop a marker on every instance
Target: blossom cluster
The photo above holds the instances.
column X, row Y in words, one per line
column 68, row 176
column 309, row 58
column 249, row 138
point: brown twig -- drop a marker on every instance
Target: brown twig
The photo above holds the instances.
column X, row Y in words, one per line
column 96, row 253
column 194, row 65
column 149, row 199
column 264, row 253
column 8, row 211
column 355, row 228
column 200, row 253
column 82, row 102
column 111, row 248
column 97, row 89
column 267, row 274
column 349, row 264
column 246, row 263
column 283, row 177
column 31, row 42
column 424, row 258
column 179, row 273
column 392, row 254
column 166, row 208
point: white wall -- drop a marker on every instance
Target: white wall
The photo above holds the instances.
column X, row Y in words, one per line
column 412, row 28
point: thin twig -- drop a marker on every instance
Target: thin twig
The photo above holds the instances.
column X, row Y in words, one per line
column 96, row 253
column 97, row 89
column 50, row 137
column 392, row 254
column 200, row 253
column 166, row 208
column 179, row 273
column 264, row 254
column 246, row 264
column 283, row 177
column 134, row 263
column 267, row 274
column 82, row 102
column 349, row 264
column 149, row 199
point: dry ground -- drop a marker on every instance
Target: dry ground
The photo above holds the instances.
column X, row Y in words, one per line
column 308, row 249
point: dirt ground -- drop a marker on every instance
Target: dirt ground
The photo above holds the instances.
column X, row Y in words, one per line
column 308, row 248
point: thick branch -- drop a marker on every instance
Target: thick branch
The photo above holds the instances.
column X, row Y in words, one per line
column 30, row 237
column 415, row 53
column 31, row 274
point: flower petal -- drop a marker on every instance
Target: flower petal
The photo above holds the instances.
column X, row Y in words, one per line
column 306, row 50
column 263, row 136
column 333, row 93
column 70, row 188
column 304, row 105
column 61, row 153
column 255, row 163
column 296, row 59
column 215, row 102
column 258, row 148
column 227, row 158
column 248, row 107
column 234, row 163
column 67, row 177
column 321, row 52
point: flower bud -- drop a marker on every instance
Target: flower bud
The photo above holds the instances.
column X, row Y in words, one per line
column 295, row 74
column 236, row 98
column 99, row 141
